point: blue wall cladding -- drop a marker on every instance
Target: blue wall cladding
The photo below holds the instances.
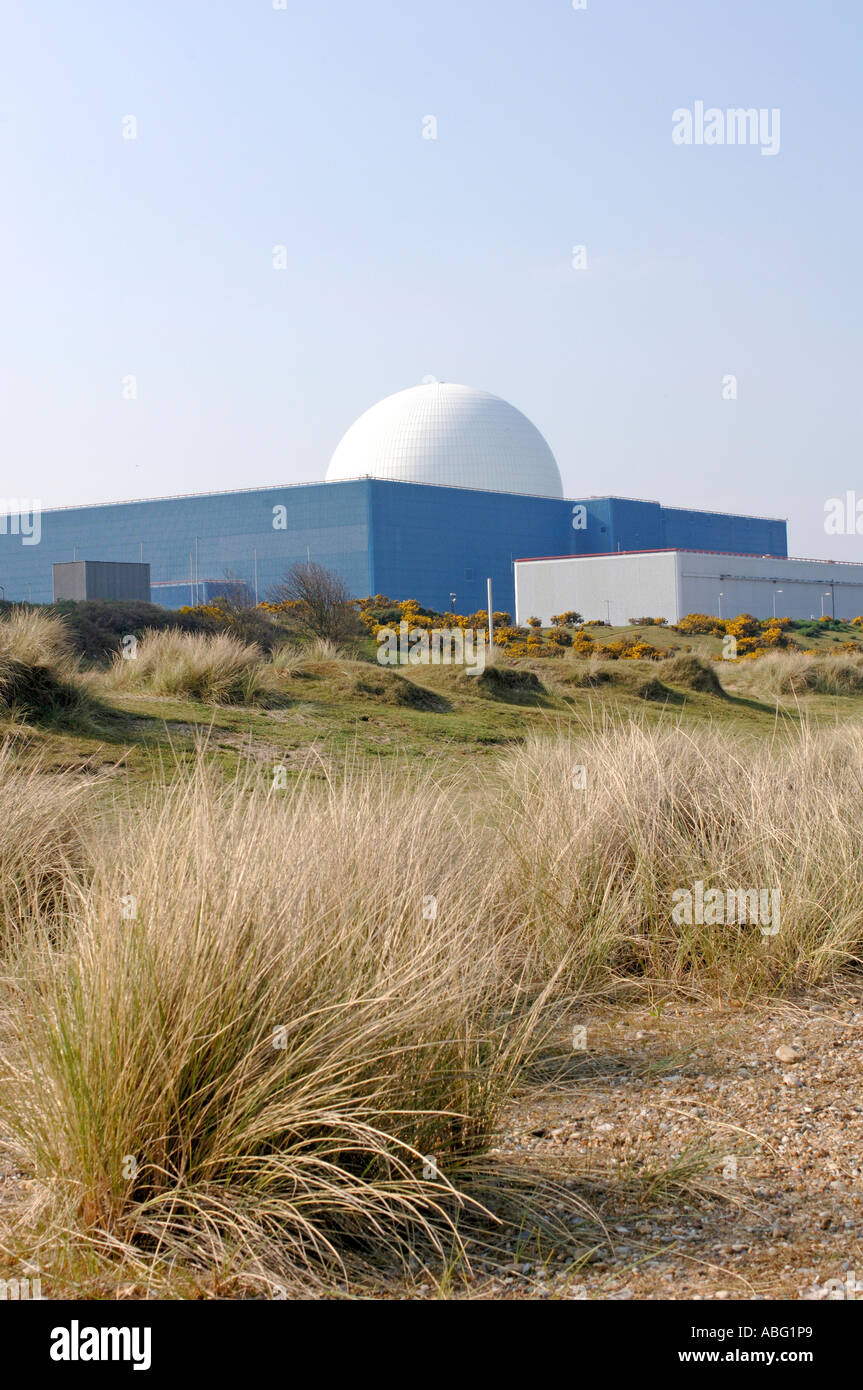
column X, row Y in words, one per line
column 429, row 542
column 630, row 525
column 327, row 522
column 622, row 523
column 406, row 540
column 744, row 535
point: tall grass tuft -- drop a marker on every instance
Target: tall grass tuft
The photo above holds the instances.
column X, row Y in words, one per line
column 213, row 667
column 605, row 826
column 797, row 673
column 691, row 671
column 34, row 638
column 278, row 1032
column 291, row 658
column 46, row 831
column 323, row 649
column 38, row 666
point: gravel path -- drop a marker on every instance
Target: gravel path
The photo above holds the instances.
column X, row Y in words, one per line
column 719, row 1168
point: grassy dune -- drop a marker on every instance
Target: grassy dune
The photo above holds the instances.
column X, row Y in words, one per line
column 277, row 1028
column 260, row 1017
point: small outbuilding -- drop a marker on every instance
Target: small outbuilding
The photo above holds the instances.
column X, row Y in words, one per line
column 101, row 579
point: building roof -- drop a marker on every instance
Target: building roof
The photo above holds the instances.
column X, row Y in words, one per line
column 684, row 550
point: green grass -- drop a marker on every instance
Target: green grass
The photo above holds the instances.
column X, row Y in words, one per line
column 327, row 712
column 343, row 707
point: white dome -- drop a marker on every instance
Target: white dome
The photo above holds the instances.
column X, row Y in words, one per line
column 451, row 436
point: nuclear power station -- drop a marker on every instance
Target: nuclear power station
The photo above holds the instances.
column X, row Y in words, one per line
column 430, row 493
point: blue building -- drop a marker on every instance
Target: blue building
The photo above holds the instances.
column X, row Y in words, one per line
column 403, row 539
column 430, row 493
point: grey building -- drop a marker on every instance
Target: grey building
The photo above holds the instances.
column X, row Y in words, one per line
column 81, row 579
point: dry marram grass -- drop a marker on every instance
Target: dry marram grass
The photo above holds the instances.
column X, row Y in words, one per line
column 215, row 668
column 273, row 1030
column 293, row 1045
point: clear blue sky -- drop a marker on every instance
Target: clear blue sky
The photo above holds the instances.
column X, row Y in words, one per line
column 409, row 257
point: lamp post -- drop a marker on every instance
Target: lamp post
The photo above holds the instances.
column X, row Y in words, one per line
column 823, row 597
column 452, row 603
column 721, row 597
column 775, row 592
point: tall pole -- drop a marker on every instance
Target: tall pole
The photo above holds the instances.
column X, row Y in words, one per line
column 720, row 602
column 196, row 572
column 256, row 577
column 490, row 618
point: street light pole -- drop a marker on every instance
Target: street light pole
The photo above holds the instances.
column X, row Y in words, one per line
column 823, row 597
column 721, row 597
column 775, row 592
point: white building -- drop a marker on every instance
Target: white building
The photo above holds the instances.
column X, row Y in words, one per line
column 671, row 583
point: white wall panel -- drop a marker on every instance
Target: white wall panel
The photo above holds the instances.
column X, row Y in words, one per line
column 670, row 584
